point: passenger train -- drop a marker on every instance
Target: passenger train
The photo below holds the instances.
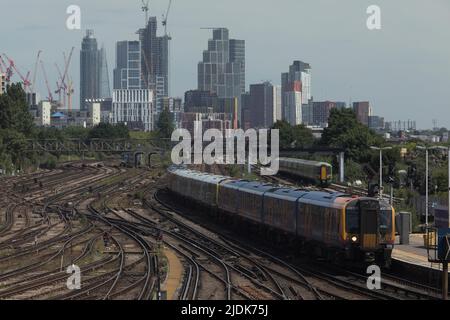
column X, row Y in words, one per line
column 320, row 173
column 335, row 225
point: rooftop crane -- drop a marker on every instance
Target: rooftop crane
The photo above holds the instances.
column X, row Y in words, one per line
column 145, row 9
column 25, row 80
column 50, row 96
column 166, row 17
column 35, row 72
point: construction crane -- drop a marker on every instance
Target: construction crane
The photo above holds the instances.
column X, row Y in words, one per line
column 145, row 9
column 50, row 96
column 61, row 86
column 166, row 17
column 25, row 80
column 7, row 70
column 33, row 88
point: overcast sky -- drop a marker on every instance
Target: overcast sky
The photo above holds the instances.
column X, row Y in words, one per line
column 402, row 69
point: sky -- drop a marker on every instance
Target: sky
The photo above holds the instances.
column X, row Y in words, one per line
column 402, row 69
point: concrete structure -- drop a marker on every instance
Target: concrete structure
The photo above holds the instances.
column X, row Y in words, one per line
column 299, row 74
column 292, row 104
column 222, row 69
column 135, row 108
column 2, row 83
column 277, row 103
column 363, row 111
column 94, row 79
column 42, row 114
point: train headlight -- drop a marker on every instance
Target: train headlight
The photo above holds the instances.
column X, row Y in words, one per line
column 354, row 238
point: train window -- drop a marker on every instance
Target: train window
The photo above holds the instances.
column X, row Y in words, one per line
column 386, row 220
column 352, row 220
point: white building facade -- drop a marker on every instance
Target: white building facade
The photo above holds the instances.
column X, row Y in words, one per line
column 135, row 108
column 293, row 101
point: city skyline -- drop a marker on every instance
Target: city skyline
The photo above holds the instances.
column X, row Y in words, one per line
column 399, row 78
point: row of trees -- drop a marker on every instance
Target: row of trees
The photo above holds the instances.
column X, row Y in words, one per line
column 17, row 125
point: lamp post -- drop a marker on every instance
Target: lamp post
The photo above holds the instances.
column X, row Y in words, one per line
column 427, row 172
column 448, row 151
column 381, row 166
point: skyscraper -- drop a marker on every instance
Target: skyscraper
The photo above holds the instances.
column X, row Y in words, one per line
column 258, row 106
column 300, row 72
column 94, row 79
column 155, row 60
column 127, row 73
column 222, row 69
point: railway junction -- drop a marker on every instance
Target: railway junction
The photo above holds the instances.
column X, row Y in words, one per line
column 133, row 240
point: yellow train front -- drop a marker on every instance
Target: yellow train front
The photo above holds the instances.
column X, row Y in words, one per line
column 333, row 225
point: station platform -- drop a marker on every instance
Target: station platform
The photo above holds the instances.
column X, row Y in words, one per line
column 414, row 256
column 174, row 277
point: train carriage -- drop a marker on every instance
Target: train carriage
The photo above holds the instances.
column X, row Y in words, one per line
column 320, row 173
column 250, row 200
column 357, row 228
column 280, row 209
column 228, row 196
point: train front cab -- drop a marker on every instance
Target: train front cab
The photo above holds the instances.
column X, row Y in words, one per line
column 369, row 231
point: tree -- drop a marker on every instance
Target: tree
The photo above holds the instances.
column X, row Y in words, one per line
column 109, row 131
column 345, row 131
column 14, row 113
column 286, row 134
column 303, row 137
column 165, row 124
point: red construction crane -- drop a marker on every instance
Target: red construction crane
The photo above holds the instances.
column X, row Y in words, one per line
column 7, row 68
column 25, row 80
column 50, row 96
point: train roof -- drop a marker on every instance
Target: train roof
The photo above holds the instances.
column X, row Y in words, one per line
column 200, row 176
column 305, row 162
column 235, row 184
column 257, row 187
column 288, row 193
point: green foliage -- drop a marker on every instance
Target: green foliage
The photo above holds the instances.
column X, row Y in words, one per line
column 293, row 137
column 14, row 113
column 109, row 131
column 165, row 124
column 345, row 131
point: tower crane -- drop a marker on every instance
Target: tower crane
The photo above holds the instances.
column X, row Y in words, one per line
column 166, row 17
column 33, row 88
column 7, row 70
column 25, row 80
column 61, row 86
column 50, row 96
column 145, row 9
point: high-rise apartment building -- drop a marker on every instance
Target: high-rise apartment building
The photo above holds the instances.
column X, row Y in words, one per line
column 299, row 72
column 222, row 69
column 94, row 80
column 293, row 104
column 127, row 73
column 155, row 60
column 363, row 111
column 259, row 106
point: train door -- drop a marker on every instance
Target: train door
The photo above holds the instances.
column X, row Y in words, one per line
column 369, row 222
